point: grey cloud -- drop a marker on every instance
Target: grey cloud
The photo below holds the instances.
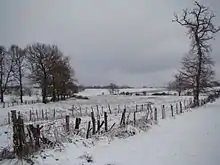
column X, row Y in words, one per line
column 121, row 41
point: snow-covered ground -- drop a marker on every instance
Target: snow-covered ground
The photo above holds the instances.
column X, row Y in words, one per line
column 189, row 139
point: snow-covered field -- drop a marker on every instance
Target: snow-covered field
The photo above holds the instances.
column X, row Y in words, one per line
column 191, row 138
column 82, row 107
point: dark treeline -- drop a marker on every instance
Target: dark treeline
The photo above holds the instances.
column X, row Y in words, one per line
column 41, row 64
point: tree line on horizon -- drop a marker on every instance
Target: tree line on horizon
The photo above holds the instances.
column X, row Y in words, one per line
column 41, row 64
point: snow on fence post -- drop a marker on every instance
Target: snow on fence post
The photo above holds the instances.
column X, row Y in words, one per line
column 93, row 123
column 109, row 108
column 181, row 107
column 171, row 107
column 67, row 123
column 106, row 121
column 155, row 114
column 177, row 111
column 163, row 111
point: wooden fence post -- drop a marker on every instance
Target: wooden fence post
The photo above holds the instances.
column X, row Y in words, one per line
column 134, row 118
column 4, row 105
column 46, row 115
column 77, row 123
column 181, row 107
column 9, row 116
column 155, row 114
column 93, row 123
column 163, row 112
column 109, row 108
column 177, row 111
column 97, row 108
column 67, row 123
column 88, row 130
column 80, row 109
column 123, row 118
column 42, row 112
column 37, row 114
column 118, row 108
column 171, row 106
column 54, row 114
column 30, row 116
column 106, row 121
column 142, row 107
column 136, row 108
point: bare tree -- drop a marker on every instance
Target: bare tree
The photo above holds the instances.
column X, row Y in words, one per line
column 177, row 84
column 6, row 66
column 18, row 71
column 201, row 31
column 51, row 69
column 113, row 88
column 38, row 56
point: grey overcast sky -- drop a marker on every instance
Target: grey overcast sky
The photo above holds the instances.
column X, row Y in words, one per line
column 130, row 42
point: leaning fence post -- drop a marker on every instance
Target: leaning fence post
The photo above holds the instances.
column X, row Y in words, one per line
column 88, row 130
column 109, row 108
column 171, row 106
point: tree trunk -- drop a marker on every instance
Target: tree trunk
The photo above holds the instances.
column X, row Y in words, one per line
column 198, row 75
column 54, row 91
column 44, row 90
column 21, row 85
column 1, row 79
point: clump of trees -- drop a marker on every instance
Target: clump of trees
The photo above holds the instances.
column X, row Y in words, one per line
column 42, row 64
column 197, row 66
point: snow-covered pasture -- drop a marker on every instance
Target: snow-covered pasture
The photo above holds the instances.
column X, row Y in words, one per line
column 54, row 128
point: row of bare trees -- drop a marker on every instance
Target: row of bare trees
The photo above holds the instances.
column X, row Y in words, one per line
column 196, row 73
column 40, row 64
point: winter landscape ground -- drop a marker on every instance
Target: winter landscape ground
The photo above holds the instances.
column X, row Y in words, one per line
column 187, row 138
